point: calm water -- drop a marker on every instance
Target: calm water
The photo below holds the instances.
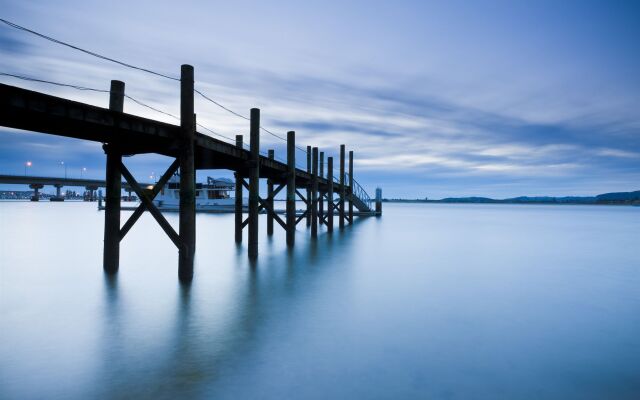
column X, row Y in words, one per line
column 430, row 301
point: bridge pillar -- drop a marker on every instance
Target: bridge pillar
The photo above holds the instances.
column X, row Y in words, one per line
column 350, row 187
column 308, row 187
column 187, row 176
column 238, row 199
column 291, row 188
column 330, row 194
column 58, row 196
column 111, row 251
column 36, row 191
column 321, row 194
column 342, row 189
column 314, row 194
column 254, row 182
column 270, row 199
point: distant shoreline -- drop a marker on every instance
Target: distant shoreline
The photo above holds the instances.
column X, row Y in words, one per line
column 617, row 198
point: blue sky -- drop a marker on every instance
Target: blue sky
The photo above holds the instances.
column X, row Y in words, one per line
column 494, row 98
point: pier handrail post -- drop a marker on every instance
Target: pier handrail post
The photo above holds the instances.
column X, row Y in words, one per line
column 254, row 182
column 113, row 189
column 238, row 197
column 271, row 155
column 351, row 187
column 321, row 194
column 342, row 189
column 187, row 175
column 291, row 188
column 330, row 195
column 314, row 193
column 308, row 187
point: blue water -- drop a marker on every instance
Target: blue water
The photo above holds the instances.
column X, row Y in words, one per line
column 427, row 302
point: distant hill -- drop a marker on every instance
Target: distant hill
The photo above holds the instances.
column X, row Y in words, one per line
column 632, row 198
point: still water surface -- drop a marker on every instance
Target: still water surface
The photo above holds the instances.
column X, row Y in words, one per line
column 429, row 301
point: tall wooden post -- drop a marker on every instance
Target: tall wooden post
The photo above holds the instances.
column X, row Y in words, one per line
column 342, row 189
column 254, row 182
column 291, row 188
column 351, row 187
column 330, row 195
column 270, row 199
column 378, row 202
column 314, row 194
column 321, row 194
column 238, row 199
column 111, row 251
column 187, row 176
column 308, row 187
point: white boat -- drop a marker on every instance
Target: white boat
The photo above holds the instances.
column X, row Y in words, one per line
column 212, row 196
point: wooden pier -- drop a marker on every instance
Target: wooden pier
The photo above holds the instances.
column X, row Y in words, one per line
column 126, row 135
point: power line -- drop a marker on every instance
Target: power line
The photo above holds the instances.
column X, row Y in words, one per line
column 124, row 64
column 91, row 53
column 25, row 78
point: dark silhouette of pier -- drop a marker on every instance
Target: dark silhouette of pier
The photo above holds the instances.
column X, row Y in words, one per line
column 325, row 197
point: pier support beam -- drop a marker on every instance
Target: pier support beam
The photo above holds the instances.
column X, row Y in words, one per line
column 330, row 205
column 187, row 176
column 113, row 190
column 314, row 194
column 270, row 199
column 238, row 198
column 308, row 188
column 342, row 189
column 254, row 182
column 350, row 187
column 291, row 188
column 321, row 194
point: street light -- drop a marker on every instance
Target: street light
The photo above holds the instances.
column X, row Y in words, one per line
column 65, row 169
column 27, row 164
column 84, row 169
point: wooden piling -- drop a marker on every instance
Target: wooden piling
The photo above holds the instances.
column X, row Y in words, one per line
column 308, row 188
column 314, row 193
column 238, row 198
column 321, row 194
column 378, row 202
column 350, row 187
column 270, row 199
column 330, row 194
column 254, row 182
column 342, row 189
column 111, row 251
column 187, row 176
column 291, row 188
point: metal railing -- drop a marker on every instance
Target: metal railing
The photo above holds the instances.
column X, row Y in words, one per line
column 358, row 191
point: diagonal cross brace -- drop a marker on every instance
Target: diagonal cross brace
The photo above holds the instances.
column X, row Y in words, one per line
column 265, row 205
column 164, row 224
column 156, row 189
